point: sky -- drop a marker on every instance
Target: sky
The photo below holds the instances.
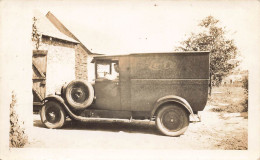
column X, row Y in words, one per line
column 120, row 27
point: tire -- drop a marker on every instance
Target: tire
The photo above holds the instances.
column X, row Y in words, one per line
column 172, row 120
column 62, row 90
column 52, row 115
column 79, row 94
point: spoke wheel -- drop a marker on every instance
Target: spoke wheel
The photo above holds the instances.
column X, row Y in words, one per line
column 52, row 115
column 172, row 120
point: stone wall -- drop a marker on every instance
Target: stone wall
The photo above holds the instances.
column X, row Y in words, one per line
column 81, row 70
column 60, row 63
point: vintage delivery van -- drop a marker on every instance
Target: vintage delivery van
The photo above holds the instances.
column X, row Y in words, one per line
column 163, row 87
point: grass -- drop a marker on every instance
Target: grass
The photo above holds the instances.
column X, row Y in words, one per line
column 226, row 100
column 237, row 142
column 231, row 99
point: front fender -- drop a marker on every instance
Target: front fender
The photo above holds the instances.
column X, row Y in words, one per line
column 172, row 98
column 60, row 100
column 55, row 98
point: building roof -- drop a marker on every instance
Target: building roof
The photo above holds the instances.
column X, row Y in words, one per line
column 45, row 27
column 64, row 30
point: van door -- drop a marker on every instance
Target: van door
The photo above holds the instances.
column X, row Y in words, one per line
column 125, row 83
column 107, row 87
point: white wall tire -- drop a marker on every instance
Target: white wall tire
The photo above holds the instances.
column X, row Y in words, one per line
column 172, row 120
column 79, row 94
column 52, row 115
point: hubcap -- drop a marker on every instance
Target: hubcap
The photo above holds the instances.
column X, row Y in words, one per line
column 79, row 94
column 172, row 120
column 53, row 114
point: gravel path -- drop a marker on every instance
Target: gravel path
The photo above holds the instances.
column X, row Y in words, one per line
column 216, row 131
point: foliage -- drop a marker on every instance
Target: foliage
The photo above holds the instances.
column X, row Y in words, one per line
column 245, row 86
column 36, row 37
column 213, row 38
column 245, row 83
column 17, row 136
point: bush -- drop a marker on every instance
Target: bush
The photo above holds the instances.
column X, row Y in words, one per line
column 17, row 136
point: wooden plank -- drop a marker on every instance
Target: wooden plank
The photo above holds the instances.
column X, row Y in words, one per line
column 37, row 108
column 39, row 64
column 38, row 78
column 38, row 68
column 38, row 93
column 40, row 52
column 37, row 103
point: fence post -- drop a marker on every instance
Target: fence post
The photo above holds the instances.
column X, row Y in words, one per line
column 210, row 83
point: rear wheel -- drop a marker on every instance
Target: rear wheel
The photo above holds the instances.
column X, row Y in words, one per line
column 52, row 115
column 172, row 120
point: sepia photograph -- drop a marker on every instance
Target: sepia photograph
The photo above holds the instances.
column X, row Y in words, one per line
column 147, row 79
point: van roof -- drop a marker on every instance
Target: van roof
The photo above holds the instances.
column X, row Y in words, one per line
column 116, row 56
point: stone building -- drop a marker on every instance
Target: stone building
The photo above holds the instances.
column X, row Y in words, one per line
column 83, row 55
column 60, row 58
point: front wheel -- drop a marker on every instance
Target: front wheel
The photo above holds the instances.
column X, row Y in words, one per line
column 172, row 120
column 52, row 115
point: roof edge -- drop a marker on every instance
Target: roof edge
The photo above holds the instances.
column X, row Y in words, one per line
column 64, row 30
column 187, row 52
column 75, row 42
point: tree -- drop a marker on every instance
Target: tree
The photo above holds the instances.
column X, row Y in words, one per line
column 222, row 50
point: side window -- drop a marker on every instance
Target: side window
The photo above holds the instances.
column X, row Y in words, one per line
column 115, row 69
column 102, row 69
column 107, row 70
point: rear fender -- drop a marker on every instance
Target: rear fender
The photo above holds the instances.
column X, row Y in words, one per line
column 174, row 99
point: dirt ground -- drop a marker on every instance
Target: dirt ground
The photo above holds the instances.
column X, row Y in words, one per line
column 216, row 131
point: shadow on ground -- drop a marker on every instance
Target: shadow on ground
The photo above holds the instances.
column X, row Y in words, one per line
column 133, row 127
